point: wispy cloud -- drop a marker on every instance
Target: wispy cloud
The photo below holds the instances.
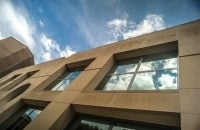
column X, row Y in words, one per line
column 90, row 27
column 13, row 23
column 52, row 49
column 99, row 32
column 16, row 22
column 125, row 28
column 41, row 23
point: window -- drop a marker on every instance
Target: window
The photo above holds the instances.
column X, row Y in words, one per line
column 21, row 118
column 4, row 81
column 14, row 94
column 18, row 79
column 87, row 122
column 151, row 72
column 65, row 79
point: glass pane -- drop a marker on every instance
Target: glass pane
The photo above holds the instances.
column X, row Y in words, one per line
column 34, row 114
column 28, row 111
column 62, row 85
column 64, row 80
column 59, row 83
column 72, row 75
column 164, row 79
column 121, row 69
column 89, row 125
column 159, row 64
column 65, row 84
column 121, row 128
column 117, row 82
column 135, row 127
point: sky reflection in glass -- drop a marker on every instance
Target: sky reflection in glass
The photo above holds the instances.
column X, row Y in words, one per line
column 151, row 73
column 121, row 128
column 32, row 113
column 163, row 79
column 121, row 69
column 158, row 64
column 118, row 82
column 65, row 80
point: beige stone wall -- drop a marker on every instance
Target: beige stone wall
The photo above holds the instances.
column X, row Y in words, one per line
column 189, row 53
column 175, row 108
column 13, row 55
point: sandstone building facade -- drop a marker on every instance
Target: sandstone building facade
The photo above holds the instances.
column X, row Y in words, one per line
column 147, row 82
column 13, row 55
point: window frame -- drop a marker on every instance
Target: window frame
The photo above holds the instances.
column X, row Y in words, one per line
column 15, row 118
column 62, row 77
column 159, row 56
column 112, row 122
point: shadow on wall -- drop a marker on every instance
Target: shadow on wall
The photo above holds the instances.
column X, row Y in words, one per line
column 13, row 94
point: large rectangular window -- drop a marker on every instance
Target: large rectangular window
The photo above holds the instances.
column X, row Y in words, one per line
column 150, row 72
column 21, row 118
column 65, row 79
column 87, row 122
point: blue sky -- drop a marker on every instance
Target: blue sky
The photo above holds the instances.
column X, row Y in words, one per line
column 57, row 28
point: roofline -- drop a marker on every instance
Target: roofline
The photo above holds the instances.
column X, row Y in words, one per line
column 137, row 36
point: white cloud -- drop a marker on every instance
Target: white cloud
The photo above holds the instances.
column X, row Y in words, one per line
column 110, row 41
column 47, row 56
column 144, row 81
column 167, row 81
column 14, row 23
column 52, row 49
column 118, row 82
column 125, row 28
column 1, row 37
column 48, row 43
column 117, row 26
column 117, row 23
column 67, row 52
column 41, row 23
column 17, row 23
column 151, row 23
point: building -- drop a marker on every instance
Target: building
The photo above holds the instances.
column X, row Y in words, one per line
column 13, row 55
column 147, row 82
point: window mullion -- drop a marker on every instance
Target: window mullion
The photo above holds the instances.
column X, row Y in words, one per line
column 134, row 75
column 18, row 123
column 24, row 118
column 31, row 112
column 61, row 84
column 154, row 70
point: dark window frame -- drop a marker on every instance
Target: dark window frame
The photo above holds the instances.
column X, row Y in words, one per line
column 19, row 116
column 112, row 122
